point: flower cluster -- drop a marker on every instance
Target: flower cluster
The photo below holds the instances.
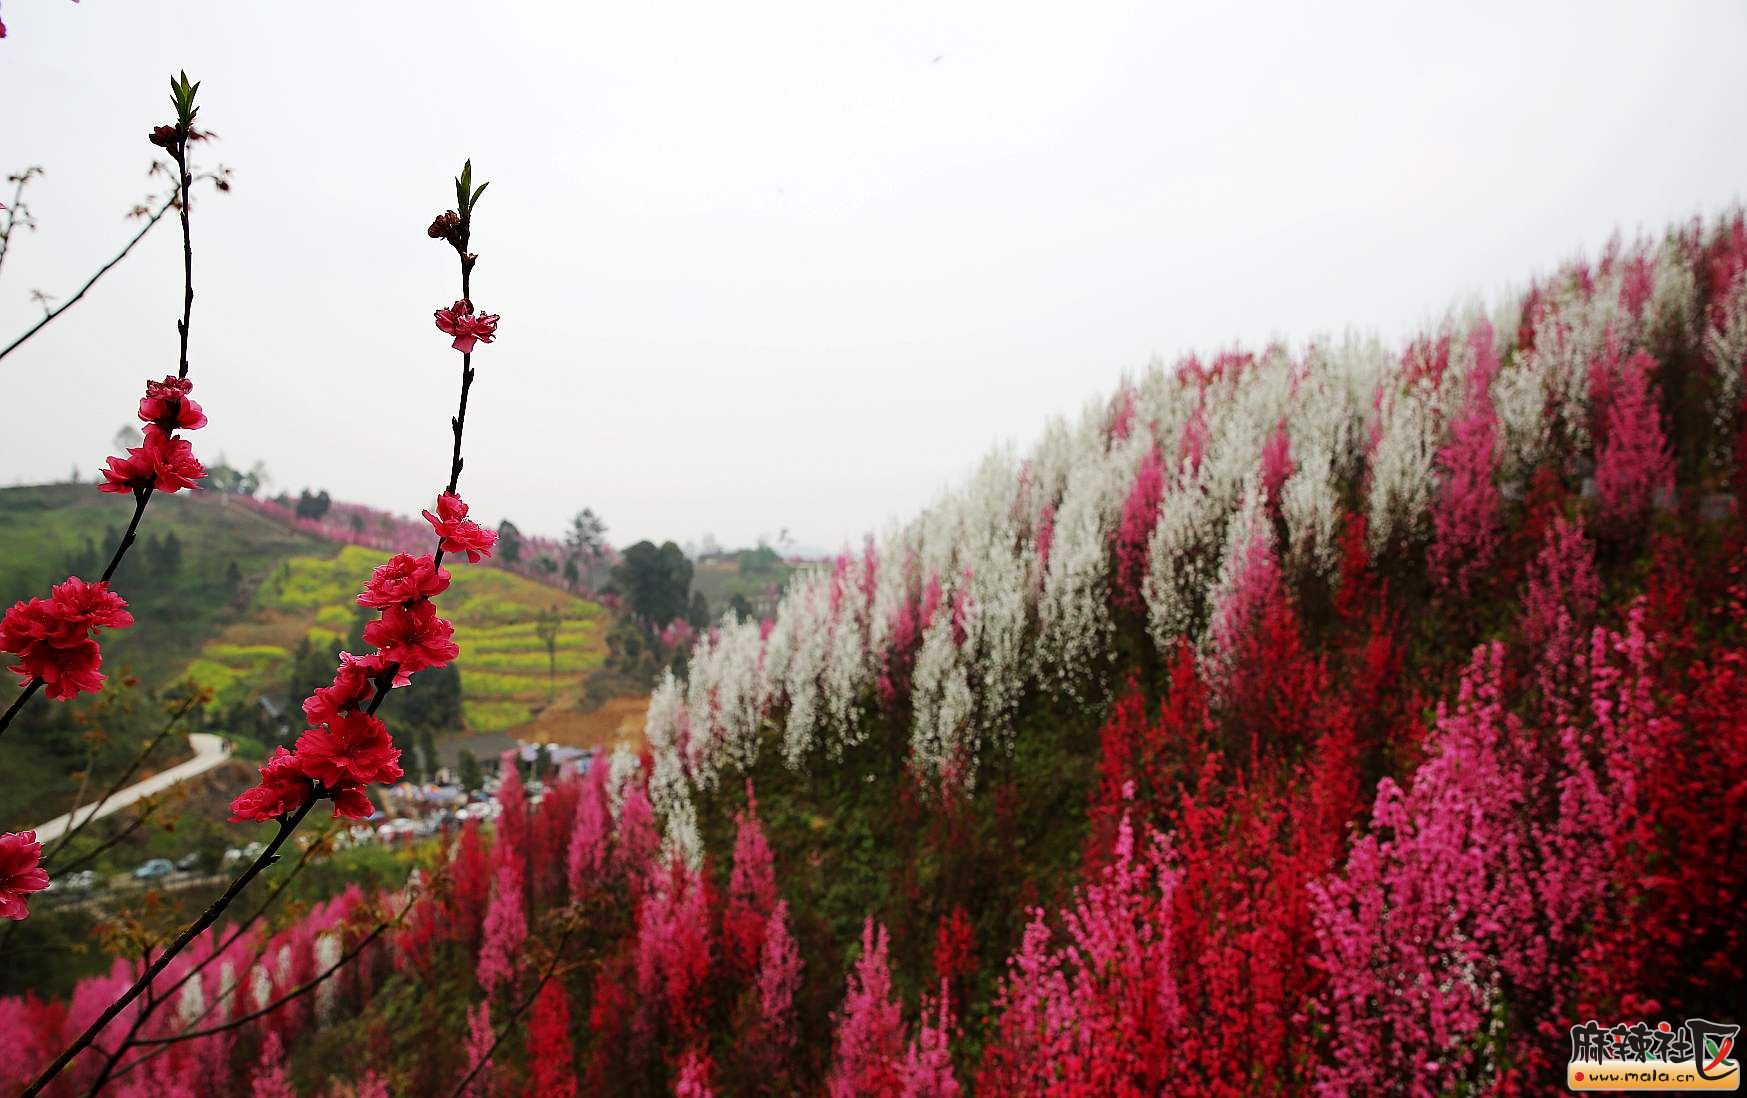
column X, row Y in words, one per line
column 163, row 461
column 52, row 637
column 346, row 748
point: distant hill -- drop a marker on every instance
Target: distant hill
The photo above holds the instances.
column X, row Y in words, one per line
column 225, row 590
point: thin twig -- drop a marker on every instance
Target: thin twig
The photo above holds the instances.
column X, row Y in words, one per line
column 75, row 827
column 187, row 181
column 515, row 1015
column 24, row 695
column 302, row 989
column 92, row 281
column 126, row 1041
column 267, row 856
column 17, row 207
column 83, row 860
column 242, row 928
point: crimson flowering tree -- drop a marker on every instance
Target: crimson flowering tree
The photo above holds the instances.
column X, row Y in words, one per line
column 1634, row 469
column 506, row 925
column 751, row 891
column 1465, row 523
column 1140, row 513
column 551, row 1072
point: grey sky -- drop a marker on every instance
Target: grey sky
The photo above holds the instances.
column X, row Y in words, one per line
column 800, row 264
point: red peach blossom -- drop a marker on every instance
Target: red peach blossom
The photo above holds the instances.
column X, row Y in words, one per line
column 352, row 804
column 404, row 578
column 21, row 873
column 456, row 533
column 130, row 473
column 354, row 750
column 173, row 461
column 66, row 672
column 460, row 321
column 52, row 637
column 354, row 681
column 163, row 461
column 284, row 788
column 414, row 637
column 83, row 608
column 168, row 405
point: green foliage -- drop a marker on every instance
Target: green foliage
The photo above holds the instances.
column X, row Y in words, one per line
column 509, row 542
column 468, row 770
column 655, row 583
column 505, row 665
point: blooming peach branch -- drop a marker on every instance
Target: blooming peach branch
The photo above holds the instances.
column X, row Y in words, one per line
column 53, row 637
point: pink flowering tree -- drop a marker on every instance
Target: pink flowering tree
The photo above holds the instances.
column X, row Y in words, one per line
column 1634, row 469
column 1466, row 520
column 870, row 1027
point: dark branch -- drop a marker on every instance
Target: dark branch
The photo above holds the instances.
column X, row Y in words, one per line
column 120, row 783
column 92, row 281
column 267, row 857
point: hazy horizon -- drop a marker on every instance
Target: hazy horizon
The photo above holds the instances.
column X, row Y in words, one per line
column 790, row 267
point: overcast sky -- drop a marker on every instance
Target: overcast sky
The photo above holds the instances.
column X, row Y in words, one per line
column 768, row 265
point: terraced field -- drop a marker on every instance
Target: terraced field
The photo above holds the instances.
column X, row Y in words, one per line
column 504, row 664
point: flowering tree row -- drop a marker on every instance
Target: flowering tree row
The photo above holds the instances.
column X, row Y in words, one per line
column 1257, row 912
column 1182, row 500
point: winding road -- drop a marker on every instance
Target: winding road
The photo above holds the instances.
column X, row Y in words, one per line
column 209, row 751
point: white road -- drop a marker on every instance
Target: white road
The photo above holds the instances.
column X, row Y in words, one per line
column 209, row 751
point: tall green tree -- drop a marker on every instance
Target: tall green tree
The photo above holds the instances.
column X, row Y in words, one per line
column 509, row 541
column 546, row 627
column 655, row 583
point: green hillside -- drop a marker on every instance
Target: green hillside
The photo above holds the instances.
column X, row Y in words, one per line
column 504, row 664
column 226, row 596
column 191, row 572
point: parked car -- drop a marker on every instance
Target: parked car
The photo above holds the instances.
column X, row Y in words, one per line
column 188, row 861
column 83, row 881
column 157, row 867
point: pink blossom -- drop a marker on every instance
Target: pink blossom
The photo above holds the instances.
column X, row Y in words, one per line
column 1634, row 469
column 586, row 859
column 460, row 321
column 778, row 979
column 506, row 928
column 480, row 1038
column 1466, row 519
column 456, row 533
column 21, row 873
column 1277, row 464
column 870, row 1031
column 693, row 1080
column 1140, row 513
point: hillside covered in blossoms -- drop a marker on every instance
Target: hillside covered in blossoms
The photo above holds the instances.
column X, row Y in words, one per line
column 1349, row 719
